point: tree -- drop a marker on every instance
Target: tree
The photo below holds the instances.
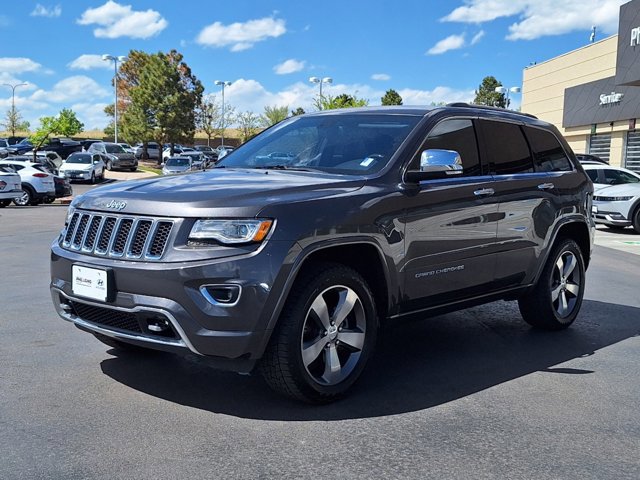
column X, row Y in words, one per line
column 208, row 116
column 13, row 122
column 487, row 95
column 391, row 97
column 165, row 94
column 65, row 124
column 248, row 122
column 273, row 115
column 297, row 111
column 327, row 102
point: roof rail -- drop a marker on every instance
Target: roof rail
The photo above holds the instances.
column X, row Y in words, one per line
column 486, row 107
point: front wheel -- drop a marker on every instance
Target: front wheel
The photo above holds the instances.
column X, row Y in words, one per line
column 326, row 334
column 636, row 220
column 555, row 301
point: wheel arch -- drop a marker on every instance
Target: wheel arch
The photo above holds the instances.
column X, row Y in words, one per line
column 364, row 255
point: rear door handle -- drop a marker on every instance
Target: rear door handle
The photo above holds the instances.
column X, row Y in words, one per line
column 485, row 192
column 546, row 186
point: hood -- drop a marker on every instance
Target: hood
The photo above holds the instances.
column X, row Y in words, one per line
column 122, row 156
column 219, row 192
column 626, row 190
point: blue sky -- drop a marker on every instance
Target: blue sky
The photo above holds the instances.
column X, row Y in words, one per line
column 426, row 50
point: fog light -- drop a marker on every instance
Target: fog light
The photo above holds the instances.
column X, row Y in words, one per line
column 222, row 295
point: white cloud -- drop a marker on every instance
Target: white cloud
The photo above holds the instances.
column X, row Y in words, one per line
column 241, row 36
column 88, row 62
column 91, row 114
column 539, row 18
column 289, row 66
column 452, row 42
column 116, row 20
column 249, row 94
column 77, row 88
column 381, row 77
column 18, row 65
column 477, row 37
column 42, row 11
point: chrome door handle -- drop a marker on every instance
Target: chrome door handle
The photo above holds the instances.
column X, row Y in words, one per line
column 485, row 192
column 546, row 186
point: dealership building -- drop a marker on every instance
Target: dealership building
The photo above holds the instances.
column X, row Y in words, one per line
column 592, row 94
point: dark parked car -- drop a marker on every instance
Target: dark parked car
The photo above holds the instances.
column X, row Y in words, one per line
column 114, row 156
column 21, row 147
column 292, row 251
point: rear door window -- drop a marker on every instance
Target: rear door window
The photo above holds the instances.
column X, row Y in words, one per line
column 593, row 175
column 506, row 149
column 548, row 154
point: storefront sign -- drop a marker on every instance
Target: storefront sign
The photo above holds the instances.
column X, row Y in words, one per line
column 613, row 97
column 635, row 36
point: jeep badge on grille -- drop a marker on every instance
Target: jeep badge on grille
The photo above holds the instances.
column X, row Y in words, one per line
column 116, row 205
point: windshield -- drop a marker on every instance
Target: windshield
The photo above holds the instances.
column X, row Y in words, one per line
column 114, row 148
column 343, row 143
column 178, row 162
column 79, row 159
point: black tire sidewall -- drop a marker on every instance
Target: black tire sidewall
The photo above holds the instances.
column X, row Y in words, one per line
column 296, row 315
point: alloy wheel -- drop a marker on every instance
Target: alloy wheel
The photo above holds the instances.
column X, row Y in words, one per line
column 333, row 335
column 565, row 284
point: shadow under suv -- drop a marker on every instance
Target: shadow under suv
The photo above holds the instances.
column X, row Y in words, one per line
column 290, row 253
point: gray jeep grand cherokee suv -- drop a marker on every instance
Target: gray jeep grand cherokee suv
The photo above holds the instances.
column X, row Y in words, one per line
column 291, row 252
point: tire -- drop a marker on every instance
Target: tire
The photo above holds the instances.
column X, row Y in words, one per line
column 119, row 345
column 49, row 200
column 93, row 178
column 319, row 350
column 133, row 169
column 4, row 203
column 563, row 277
column 636, row 220
column 27, row 197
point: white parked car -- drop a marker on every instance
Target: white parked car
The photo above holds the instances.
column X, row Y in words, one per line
column 83, row 166
column 51, row 159
column 10, row 185
column 153, row 150
column 177, row 150
column 37, row 184
column 616, row 197
column 127, row 148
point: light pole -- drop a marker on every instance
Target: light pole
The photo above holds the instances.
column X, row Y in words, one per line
column 505, row 90
column 223, row 84
column 321, row 81
column 115, row 60
column 13, row 103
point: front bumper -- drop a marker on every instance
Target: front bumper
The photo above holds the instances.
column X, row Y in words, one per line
column 611, row 218
column 171, row 295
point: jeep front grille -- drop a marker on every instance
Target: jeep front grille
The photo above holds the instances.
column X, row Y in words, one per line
column 117, row 236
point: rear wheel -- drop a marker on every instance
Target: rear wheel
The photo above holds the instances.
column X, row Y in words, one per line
column 555, row 301
column 326, row 334
column 27, row 197
column 4, row 203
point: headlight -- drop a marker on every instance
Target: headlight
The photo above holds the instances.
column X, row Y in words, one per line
column 612, row 199
column 231, row 231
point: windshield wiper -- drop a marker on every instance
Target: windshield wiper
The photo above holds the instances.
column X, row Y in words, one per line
column 286, row 167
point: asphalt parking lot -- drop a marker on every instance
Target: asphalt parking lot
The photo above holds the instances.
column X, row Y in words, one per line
column 473, row 394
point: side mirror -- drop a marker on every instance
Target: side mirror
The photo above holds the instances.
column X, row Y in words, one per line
column 435, row 163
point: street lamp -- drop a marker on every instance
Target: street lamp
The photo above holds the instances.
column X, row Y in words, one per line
column 13, row 103
column 321, row 81
column 505, row 90
column 115, row 60
column 223, row 84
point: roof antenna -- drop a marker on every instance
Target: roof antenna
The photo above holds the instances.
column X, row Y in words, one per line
column 592, row 37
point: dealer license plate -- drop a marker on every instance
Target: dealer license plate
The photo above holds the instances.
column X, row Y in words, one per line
column 90, row 283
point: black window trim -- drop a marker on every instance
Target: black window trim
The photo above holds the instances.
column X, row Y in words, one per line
column 416, row 155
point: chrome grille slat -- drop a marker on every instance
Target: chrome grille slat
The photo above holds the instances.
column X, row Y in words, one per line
column 118, row 236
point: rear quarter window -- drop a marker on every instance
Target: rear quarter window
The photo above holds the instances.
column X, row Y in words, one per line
column 548, row 154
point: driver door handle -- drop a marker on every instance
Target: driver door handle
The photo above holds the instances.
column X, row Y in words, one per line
column 546, row 186
column 485, row 192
